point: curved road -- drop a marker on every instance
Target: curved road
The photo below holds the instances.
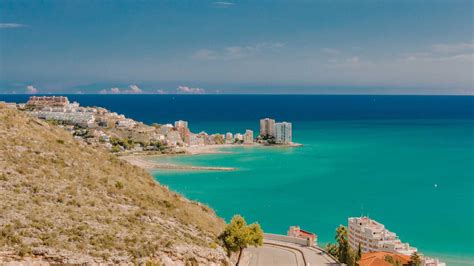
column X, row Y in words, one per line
column 285, row 254
column 274, row 255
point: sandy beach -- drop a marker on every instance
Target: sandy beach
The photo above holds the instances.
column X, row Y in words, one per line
column 145, row 160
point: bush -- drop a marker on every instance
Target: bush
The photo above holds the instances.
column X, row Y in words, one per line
column 119, row 185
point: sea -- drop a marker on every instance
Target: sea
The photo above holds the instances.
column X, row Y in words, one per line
column 405, row 161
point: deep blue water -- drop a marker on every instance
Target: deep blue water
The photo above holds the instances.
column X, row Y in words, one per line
column 208, row 108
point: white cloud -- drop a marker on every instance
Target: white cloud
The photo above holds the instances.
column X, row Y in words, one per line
column 223, row 4
column 205, row 54
column 11, row 25
column 31, row 89
column 135, row 89
column 237, row 52
column 453, row 52
column 453, row 47
column 115, row 90
column 330, row 51
column 353, row 60
column 189, row 90
column 349, row 62
column 468, row 57
column 160, row 91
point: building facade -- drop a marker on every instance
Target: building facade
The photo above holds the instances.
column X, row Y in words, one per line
column 373, row 237
column 182, row 127
column 248, row 136
column 283, row 133
column 267, row 127
column 229, row 137
column 296, row 231
column 43, row 101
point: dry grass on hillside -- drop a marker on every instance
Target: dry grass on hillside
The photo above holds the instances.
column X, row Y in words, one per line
column 57, row 193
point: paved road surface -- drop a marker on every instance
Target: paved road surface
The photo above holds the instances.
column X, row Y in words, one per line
column 285, row 254
column 271, row 255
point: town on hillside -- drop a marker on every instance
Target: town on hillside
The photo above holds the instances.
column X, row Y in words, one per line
column 101, row 127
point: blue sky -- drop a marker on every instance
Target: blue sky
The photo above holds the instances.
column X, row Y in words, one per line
column 335, row 47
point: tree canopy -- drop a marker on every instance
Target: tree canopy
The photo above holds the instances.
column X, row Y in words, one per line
column 238, row 235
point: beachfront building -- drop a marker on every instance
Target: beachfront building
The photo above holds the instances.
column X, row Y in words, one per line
column 267, row 127
column 248, row 136
column 182, row 127
column 239, row 137
column 373, row 236
column 229, row 137
column 296, row 231
column 283, row 134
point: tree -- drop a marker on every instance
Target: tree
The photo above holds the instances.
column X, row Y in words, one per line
column 389, row 259
column 359, row 253
column 343, row 251
column 332, row 249
column 415, row 259
column 238, row 235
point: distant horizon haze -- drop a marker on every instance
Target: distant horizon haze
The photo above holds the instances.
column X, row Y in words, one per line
column 237, row 47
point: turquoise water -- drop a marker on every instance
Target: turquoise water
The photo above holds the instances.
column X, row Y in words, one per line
column 415, row 176
column 383, row 161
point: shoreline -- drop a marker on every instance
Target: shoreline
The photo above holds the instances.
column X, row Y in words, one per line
column 143, row 160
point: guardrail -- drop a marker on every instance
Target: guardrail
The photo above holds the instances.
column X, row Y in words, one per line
column 287, row 239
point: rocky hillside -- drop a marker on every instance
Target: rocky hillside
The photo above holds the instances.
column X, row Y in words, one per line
column 62, row 201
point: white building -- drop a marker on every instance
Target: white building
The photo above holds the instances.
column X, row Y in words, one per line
column 373, row 236
column 248, row 136
column 267, row 127
column 283, row 134
column 126, row 123
column 181, row 124
column 239, row 137
column 77, row 118
column 229, row 137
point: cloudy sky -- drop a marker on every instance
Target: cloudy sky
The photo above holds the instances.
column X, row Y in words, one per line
column 198, row 47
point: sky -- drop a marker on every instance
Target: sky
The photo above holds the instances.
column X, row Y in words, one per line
column 264, row 47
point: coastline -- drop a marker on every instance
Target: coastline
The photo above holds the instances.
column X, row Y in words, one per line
column 144, row 160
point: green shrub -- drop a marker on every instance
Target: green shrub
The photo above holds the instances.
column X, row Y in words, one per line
column 119, row 185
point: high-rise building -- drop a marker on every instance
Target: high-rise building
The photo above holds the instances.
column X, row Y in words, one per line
column 283, row 134
column 181, row 123
column 182, row 127
column 267, row 127
column 229, row 137
column 248, row 136
column 373, row 236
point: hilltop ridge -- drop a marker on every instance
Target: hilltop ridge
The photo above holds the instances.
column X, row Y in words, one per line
column 63, row 201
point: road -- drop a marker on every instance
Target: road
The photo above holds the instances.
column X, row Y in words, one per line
column 273, row 255
column 285, row 254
